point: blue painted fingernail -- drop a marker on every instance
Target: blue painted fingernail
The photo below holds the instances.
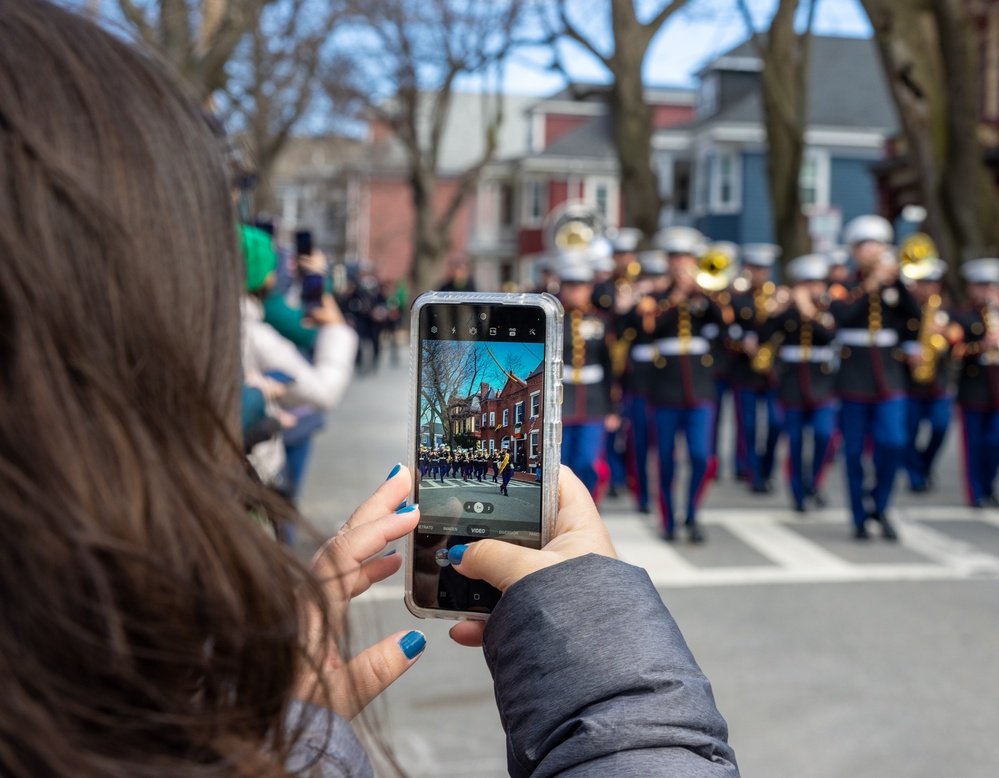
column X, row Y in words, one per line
column 390, row 553
column 406, row 509
column 455, row 553
column 394, row 473
column 413, row 643
column 401, row 505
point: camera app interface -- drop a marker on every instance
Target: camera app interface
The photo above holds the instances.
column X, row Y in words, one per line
column 479, row 441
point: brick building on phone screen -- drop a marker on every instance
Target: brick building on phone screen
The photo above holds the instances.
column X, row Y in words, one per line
column 513, row 417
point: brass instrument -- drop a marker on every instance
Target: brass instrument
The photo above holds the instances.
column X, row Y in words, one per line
column 763, row 361
column 715, row 269
column 572, row 226
column 931, row 344
column 917, row 256
column 991, row 355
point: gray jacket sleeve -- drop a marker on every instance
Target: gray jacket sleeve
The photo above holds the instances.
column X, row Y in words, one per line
column 326, row 747
column 593, row 678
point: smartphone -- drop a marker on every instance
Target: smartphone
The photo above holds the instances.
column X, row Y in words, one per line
column 485, row 437
column 303, row 243
column 313, row 287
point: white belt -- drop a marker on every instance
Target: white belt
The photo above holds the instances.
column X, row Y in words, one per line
column 669, row 346
column 816, row 354
column 852, row 337
column 588, row 374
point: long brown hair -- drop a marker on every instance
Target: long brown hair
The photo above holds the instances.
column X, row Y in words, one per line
column 147, row 626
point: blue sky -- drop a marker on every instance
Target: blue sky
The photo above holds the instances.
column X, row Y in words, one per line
column 529, row 355
column 691, row 38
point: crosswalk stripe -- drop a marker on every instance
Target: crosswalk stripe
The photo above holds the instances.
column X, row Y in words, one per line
column 785, row 547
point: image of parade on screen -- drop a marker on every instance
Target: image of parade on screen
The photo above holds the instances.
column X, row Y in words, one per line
column 480, row 407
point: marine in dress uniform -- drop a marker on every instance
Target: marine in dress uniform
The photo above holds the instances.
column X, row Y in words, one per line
column 929, row 397
column 614, row 297
column 977, row 352
column 684, row 326
column 805, row 359
column 637, row 376
column 752, row 388
column 839, row 265
column 587, row 408
column 872, row 315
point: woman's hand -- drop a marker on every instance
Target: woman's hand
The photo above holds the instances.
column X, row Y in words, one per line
column 578, row 531
column 347, row 565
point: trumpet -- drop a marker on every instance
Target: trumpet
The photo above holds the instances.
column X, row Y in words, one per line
column 715, row 270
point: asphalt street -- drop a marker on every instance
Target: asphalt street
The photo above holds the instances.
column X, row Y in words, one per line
column 473, row 500
column 828, row 657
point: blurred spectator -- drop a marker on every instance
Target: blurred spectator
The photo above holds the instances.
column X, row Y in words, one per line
column 459, row 277
column 397, row 305
column 366, row 310
column 299, row 389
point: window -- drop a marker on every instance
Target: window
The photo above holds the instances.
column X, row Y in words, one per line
column 492, row 418
column 601, row 194
column 704, row 184
column 492, row 445
column 535, row 201
column 726, row 180
column 518, row 413
column 534, row 444
column 813, row 182
column 483, row 420
column 506, row 417
column 535, row 404
column 505, row 205
column 602, row 200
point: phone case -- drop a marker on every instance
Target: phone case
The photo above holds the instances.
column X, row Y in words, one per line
column 552, row 437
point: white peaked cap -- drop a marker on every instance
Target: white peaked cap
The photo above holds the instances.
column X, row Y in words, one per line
column 681, row 240
column 760, row 254
column 810, row 267
column 653, row 262
column 574, row 267
column 868, row 227
column 981, row 271
column 626, row 240
column 838, row 256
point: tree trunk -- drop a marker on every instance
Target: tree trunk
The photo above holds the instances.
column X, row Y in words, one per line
column 633, row 138
column 931, row 66
column 429, row 245
column 785, row 106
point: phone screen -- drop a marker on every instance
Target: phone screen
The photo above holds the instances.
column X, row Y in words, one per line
column 312, row 291
column 480, row 403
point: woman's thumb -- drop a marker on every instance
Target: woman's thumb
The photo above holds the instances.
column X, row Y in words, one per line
column 496, row 562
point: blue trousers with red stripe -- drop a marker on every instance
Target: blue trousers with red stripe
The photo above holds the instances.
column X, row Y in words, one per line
column 822, row 421
column 885, row 422
column 695, row 423
column 637, row 409
column 981, row 453
column 581, row 448
column 760, row 465
column 936, row 413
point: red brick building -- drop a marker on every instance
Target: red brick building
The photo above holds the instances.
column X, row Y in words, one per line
column 513, row 417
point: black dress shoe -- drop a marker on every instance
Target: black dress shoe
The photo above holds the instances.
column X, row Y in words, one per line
column 799, row 507
column 694, row 534
column 762, row 488
column 860, row 533
column 886, row 528
column 644, row 509
column 818, row 498
column 669, row 535
column 919, row 488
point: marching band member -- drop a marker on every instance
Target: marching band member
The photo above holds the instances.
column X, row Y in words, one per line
column 929, row 398
column 752, row 305
column 978, row 382
column 872, row 315
column 683, row 325
column 638, row 376
column 802, row 337
column 587, row 409
column 839, row 265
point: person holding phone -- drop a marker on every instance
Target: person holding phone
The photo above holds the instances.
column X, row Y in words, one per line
column 151, row 627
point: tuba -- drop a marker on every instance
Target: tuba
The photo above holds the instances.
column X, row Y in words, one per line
column 917, row 256
column 716, row 269
column 572, row 226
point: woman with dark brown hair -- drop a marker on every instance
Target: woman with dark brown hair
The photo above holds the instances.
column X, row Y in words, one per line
column 148, row 626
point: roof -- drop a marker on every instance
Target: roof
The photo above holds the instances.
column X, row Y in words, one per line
column 582, row 92
column 594, row 138
column 847, row 88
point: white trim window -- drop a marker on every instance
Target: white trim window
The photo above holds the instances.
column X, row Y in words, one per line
column 535, row 404
column 483, row 419
column 601, row 193
column 726, row 182
column 535, row 438
column 492, row 445
column 813, row 181
column 506, row 417
column 535, row 191
column 492, row 418
column 518, row 413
